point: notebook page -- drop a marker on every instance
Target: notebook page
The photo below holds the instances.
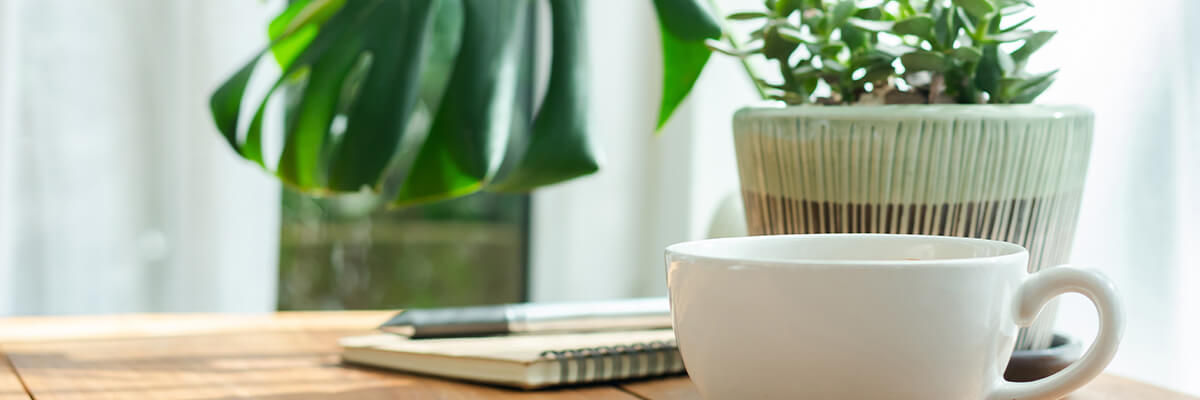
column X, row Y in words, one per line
column 519, row 348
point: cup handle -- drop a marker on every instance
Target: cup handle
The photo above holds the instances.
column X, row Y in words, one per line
column 1033, row 294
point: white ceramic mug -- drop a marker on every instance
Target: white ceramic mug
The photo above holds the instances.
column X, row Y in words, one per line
column 868, row 316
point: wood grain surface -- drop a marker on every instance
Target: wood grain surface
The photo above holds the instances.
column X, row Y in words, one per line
column 286, row 356
column 1106, row 387
column 1111, row 387
column 10, row 385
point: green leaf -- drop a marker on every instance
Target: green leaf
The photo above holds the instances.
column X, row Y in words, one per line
column 559, row 148
column 923, row 60
column 447, row 37
column 977, row 8
column 1039, row 78
column 872, row 57
column 779, row 43
column 1032, row 44
column 226, row 101
column 281, row 24
column 993, row 25
column 296, row 26
column 808, row 85
column 746, row 15
column 990, row 72
column 832, row 66
column 683, row 26
column 1018, row 25
column 1031, row 91
column 338, row 34
column 878, row 73
column 871, row 13
column 1009, row 7
column 1006, row 63
column 831, row 50
column 805, row 71
column 945, row 29
column 1026, row 89
column 788, row 33
column 855, row 38
column 1015, row 86
column 1009, row 85
column 841, row 11
column 720, row 47
column 963, row 20
column 386, row 97
column 525, row 101
column 963, row 89
column 300, row 163
column 326, row 61
column 919, row 25
column 302, row 13
column 783, row 8
column 758, row 33
column 815, row 19
column 285, row 49
column 682, row 64
column 870, row 25
column 471, row 127
column 893, row 50
column 686, row 20
column 967, row 54
column 364, row 61
column 1011, row 36
column 820, row 27
column 813, row 48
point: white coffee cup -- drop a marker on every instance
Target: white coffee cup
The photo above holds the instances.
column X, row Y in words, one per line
column 868, row 316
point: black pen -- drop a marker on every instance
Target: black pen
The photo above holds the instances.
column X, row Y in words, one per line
column 644, row 313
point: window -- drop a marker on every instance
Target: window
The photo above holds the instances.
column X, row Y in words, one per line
column 349, row 253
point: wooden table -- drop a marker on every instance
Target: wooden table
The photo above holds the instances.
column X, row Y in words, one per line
column 284, row 356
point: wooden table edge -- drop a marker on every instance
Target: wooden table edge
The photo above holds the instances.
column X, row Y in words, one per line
column 11, row 385
column 47, row 330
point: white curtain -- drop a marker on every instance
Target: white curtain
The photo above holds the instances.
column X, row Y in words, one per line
column 1138, row 67
column 116, row 192
column 601, row 236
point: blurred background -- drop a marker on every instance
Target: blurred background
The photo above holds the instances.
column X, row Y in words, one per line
column 118, row 195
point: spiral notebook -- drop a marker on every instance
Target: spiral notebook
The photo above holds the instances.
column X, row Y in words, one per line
column 524, row 361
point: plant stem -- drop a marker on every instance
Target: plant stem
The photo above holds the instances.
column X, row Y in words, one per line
column 981, row 29
column 906, row 9
column 937, row 85
column 727, row 36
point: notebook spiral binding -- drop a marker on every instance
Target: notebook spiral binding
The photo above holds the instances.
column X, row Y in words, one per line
column 585, row 365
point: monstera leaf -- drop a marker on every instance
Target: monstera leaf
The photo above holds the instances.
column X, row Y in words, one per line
column 438, row 91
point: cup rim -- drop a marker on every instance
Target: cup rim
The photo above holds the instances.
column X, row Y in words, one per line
column 1009, row 252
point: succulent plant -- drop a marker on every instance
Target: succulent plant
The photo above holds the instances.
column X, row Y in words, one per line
column 891, row 51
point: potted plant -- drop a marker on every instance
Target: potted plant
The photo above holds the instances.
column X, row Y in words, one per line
column 900, row 116
column 903, row 116
column 426, row 100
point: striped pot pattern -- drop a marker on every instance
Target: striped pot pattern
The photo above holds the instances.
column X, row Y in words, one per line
column 1005, row 172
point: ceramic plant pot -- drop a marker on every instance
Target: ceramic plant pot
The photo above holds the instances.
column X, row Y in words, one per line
column 1004, row 172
